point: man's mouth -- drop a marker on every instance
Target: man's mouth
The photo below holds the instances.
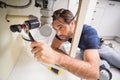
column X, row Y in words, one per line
column 62, row 37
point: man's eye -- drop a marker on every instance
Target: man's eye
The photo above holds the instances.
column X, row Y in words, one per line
column 60, row 27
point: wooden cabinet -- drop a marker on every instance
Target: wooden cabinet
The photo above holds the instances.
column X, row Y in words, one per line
column 106, row 18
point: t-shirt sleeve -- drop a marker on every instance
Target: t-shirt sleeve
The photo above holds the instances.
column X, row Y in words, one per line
column 92, row 39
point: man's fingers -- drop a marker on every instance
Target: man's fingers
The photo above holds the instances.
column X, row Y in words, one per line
column 39, row 57
column 36, row 44
column 38, row 54
column 33, row 44
column 40, row 49
column 35, row 50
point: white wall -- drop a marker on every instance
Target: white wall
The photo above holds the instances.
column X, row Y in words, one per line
column 9, row 56
column 106, row 18
column 73, row 6
column 103, row 16
column 11, row 44
column 60, row 4
column 91, row 8
column 118, row 34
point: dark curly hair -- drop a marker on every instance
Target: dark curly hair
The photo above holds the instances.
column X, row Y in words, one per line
column 67, row 15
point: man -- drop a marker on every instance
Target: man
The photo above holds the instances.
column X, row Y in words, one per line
column 64, row 24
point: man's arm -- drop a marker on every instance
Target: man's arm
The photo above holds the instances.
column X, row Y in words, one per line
column 89, row 68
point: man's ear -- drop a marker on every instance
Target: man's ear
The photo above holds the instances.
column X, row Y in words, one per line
column 72, row 23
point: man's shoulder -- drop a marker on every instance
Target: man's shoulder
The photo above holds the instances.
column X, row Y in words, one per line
column 87, row 29
column 89, row 37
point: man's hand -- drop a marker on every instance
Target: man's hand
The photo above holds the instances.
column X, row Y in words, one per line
column 44, row 53
column 87, row 68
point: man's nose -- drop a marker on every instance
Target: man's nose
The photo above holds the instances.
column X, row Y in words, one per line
column 58, row 32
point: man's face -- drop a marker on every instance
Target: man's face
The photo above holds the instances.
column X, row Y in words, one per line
column 63, row 30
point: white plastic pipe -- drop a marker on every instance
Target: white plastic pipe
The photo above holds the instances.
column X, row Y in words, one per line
column 19, row 17
column 82, row 11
